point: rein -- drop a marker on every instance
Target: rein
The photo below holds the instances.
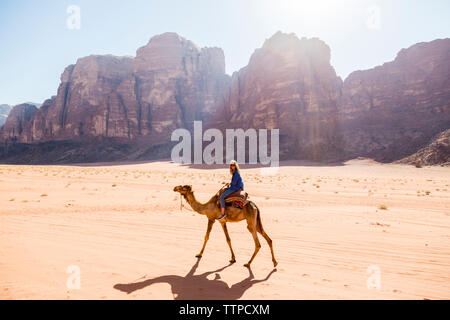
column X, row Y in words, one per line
column 181, row 204
column 181, row 200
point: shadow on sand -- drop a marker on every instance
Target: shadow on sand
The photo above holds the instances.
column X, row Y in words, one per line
column 193, row 287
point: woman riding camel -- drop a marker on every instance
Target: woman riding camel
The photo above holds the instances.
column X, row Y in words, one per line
column 235, row 185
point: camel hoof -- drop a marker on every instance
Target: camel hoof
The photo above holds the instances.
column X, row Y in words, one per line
column 232, row 260
column 275, row 264
column 247, row 265
column 198, row 256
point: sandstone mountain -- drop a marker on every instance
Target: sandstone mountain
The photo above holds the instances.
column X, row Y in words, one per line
column 385, row 113
column 125, row 108
column 5, row 109
column 288, row 84
column 437, row 152
column 18, row 118
column 391, row 111
column 169, row 83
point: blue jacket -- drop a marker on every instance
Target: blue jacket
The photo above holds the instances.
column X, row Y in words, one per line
column 236, row 182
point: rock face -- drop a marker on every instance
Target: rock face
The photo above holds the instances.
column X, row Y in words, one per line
column 130, row 106
column 4, row 111
column 17, row 120
column 175, row 83
column 437, row 152
column 385, row 113
column 169, row 83
column 81, row 105
column 288, row 84
column 390, row 111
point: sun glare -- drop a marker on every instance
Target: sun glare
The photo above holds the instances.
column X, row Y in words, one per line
column 309, row 12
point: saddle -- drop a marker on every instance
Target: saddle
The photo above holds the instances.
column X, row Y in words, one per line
column 237, row 199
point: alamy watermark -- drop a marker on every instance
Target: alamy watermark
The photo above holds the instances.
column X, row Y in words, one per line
column 257, row 148
column 74, row 280
column 373, row 21
column 374, row 279
column 73, row 21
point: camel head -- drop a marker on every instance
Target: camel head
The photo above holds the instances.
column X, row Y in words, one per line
column 183, row 189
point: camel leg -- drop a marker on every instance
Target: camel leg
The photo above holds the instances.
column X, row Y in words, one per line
column 252, row 230
column 208, row 230
column 269, row 241
column 227, row 236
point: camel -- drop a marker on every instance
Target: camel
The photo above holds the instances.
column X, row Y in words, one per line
column 211, row 210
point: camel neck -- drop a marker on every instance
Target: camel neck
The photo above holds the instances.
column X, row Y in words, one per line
column 196, row 206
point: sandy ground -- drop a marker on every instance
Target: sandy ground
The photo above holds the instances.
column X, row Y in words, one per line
column 358, row 231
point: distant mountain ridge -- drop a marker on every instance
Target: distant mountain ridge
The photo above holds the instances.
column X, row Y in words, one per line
column 5, row 109
column 4, row 112
column 131, row 105
column 37, row 105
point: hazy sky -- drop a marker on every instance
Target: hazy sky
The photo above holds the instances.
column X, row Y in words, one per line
column 37, row 44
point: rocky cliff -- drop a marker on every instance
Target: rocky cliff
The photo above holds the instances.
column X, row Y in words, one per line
column 390, row 111
column 169, row 83
column 18, row 118
column 288, row 84
column 386, row 113
column 436, row 152
column 131, row 105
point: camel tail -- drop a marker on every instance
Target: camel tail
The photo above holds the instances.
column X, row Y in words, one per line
column 258, row 220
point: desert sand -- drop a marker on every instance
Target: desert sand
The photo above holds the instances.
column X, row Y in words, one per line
column 334, row 229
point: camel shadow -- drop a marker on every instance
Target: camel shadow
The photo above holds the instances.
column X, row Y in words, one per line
column 198, row 287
